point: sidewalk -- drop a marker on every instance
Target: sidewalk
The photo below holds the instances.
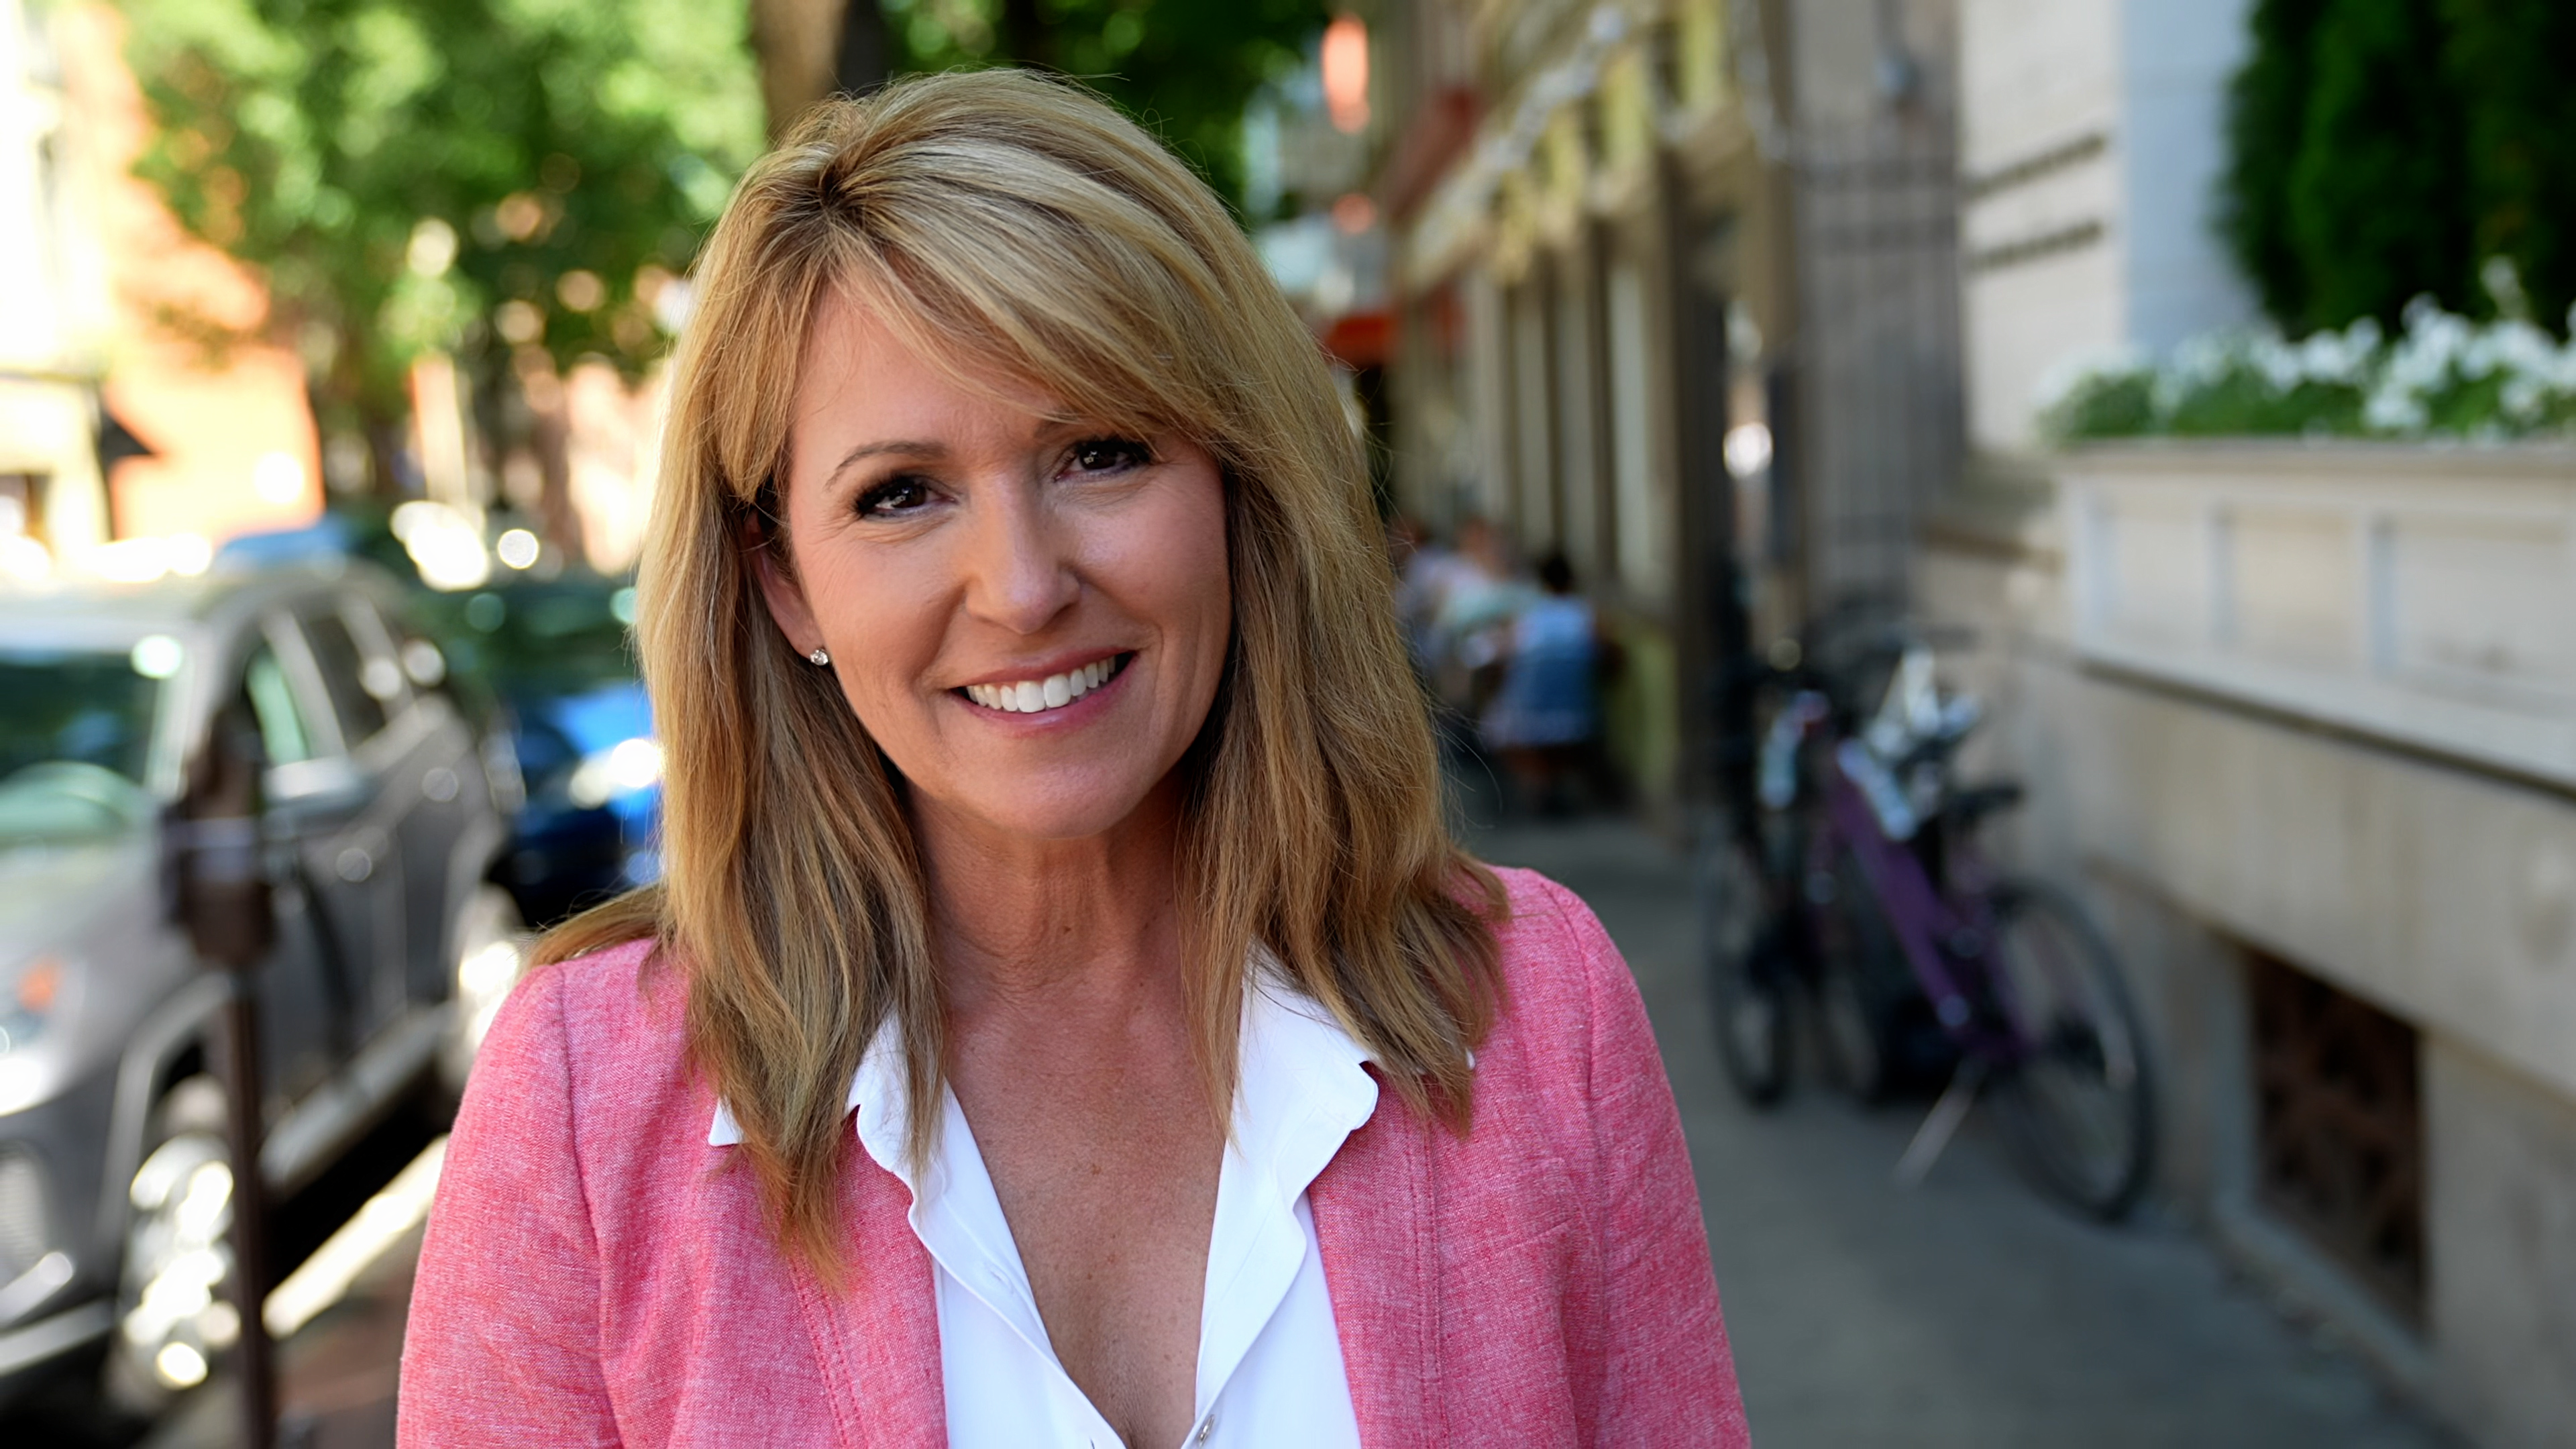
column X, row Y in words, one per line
column 1968, row 1311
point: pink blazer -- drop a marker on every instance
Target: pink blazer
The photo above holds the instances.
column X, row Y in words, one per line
column 591, row 1276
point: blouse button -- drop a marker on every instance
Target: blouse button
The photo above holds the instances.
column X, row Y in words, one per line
column 1207, row 1426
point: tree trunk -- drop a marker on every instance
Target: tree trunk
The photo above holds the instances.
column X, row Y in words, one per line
column 550, row 439
column 797, row 44
column 867, row 57
column 807, row 49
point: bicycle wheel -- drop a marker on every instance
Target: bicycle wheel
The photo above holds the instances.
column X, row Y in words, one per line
column 1748, row 971
column 2079, row 1110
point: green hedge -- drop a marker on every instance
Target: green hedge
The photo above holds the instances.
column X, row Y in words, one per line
column 2384, row 150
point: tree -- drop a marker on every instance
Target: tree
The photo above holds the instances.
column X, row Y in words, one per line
column 2383, row 149
column 2378, row 195
column 2267, row 115
column 810, row 48
column 2508, row 61
column 474, row 175
column 1184, row 68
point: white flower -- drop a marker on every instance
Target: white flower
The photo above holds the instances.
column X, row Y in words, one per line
column 2390, row 410
column 2433, row 348
column 2340, row 357
column 2282, row 366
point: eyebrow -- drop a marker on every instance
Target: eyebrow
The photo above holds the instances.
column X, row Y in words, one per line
column 865, row 451
column 1048, row 427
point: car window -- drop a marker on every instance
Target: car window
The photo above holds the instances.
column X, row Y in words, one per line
column 344, row 669
column 75, row 737
column 283, row 729
column 381, row 676
column 94, row 707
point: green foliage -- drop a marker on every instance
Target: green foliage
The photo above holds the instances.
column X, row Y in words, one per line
column 2378, row 205
column 2113, row 398
column 1182, row 67
column 2267, row 113
column 399, row 171
column 2511, row 59
column 2381, row 149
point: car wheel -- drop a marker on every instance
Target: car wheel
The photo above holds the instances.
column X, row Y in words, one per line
column 174, row 1308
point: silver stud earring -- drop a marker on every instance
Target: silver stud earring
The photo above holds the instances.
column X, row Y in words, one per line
column 820, row 657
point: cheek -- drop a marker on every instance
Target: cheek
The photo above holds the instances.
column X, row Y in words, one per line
column 1179, row 563
column 880, row 626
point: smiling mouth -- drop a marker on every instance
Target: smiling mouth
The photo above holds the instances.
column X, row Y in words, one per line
column 1036, row 696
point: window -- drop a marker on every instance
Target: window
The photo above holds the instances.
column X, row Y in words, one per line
column 61, row 705
column 344, row 675
column 282, row 729
column 1533, row 441
column 382, row 675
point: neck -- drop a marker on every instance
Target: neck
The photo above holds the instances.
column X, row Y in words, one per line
column 1054, row 925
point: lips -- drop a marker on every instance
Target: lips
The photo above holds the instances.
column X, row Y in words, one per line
column 1055, row 691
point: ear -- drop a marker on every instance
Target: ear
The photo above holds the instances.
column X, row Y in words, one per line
column 780, row 591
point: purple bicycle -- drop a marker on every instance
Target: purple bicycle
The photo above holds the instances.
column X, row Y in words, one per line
column 1848, row 888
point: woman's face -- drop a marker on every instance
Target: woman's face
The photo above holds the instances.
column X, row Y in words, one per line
column 1028, row 615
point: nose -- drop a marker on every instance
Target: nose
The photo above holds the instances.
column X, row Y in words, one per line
column 1017, row 562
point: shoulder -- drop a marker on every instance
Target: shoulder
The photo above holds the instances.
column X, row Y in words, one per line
column 1552, row 950
column 1572, row 1023
column 587, row 1033
column 591, row 1002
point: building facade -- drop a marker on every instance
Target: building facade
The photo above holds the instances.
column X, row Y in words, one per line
column 1670, row 288
column 127, row 446
column 1748, row 306
column 2299, row 717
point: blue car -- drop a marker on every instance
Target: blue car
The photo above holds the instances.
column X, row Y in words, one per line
column 552, row 659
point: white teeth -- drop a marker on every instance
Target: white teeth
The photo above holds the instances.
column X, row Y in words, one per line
column 1029, row 696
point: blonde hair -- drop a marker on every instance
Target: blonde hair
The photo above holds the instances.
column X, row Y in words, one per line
column 1017, row 226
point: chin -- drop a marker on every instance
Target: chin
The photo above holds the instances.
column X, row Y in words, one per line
column 1051, row 809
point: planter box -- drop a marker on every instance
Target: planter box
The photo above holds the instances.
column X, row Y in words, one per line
column 2424, row 594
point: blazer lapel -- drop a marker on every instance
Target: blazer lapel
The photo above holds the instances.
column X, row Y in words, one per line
column 879, row 1338
column 1376, row 1220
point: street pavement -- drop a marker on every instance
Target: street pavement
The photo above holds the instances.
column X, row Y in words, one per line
column 1965, row 1311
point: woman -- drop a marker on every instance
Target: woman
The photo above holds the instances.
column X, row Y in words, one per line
column 1042, row 752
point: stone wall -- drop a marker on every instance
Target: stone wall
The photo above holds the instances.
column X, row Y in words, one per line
column 2203, row 823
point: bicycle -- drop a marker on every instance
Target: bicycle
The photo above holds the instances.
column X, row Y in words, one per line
column 1850, row 881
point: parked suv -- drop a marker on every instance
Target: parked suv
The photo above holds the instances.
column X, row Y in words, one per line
column 383, row 814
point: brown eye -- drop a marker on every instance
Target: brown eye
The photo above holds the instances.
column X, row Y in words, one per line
column 894, row 497
column 1110, row 455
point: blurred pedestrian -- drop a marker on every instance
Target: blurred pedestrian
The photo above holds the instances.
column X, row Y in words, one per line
column 1422, row 563
column 1545, row 720
column 1045, row 783
column 1473, row 619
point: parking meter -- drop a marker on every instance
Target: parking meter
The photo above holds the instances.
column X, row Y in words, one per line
column 221, row 894
column 223, row 888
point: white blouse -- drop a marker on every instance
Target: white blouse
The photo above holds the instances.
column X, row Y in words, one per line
column 1269, row 1363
